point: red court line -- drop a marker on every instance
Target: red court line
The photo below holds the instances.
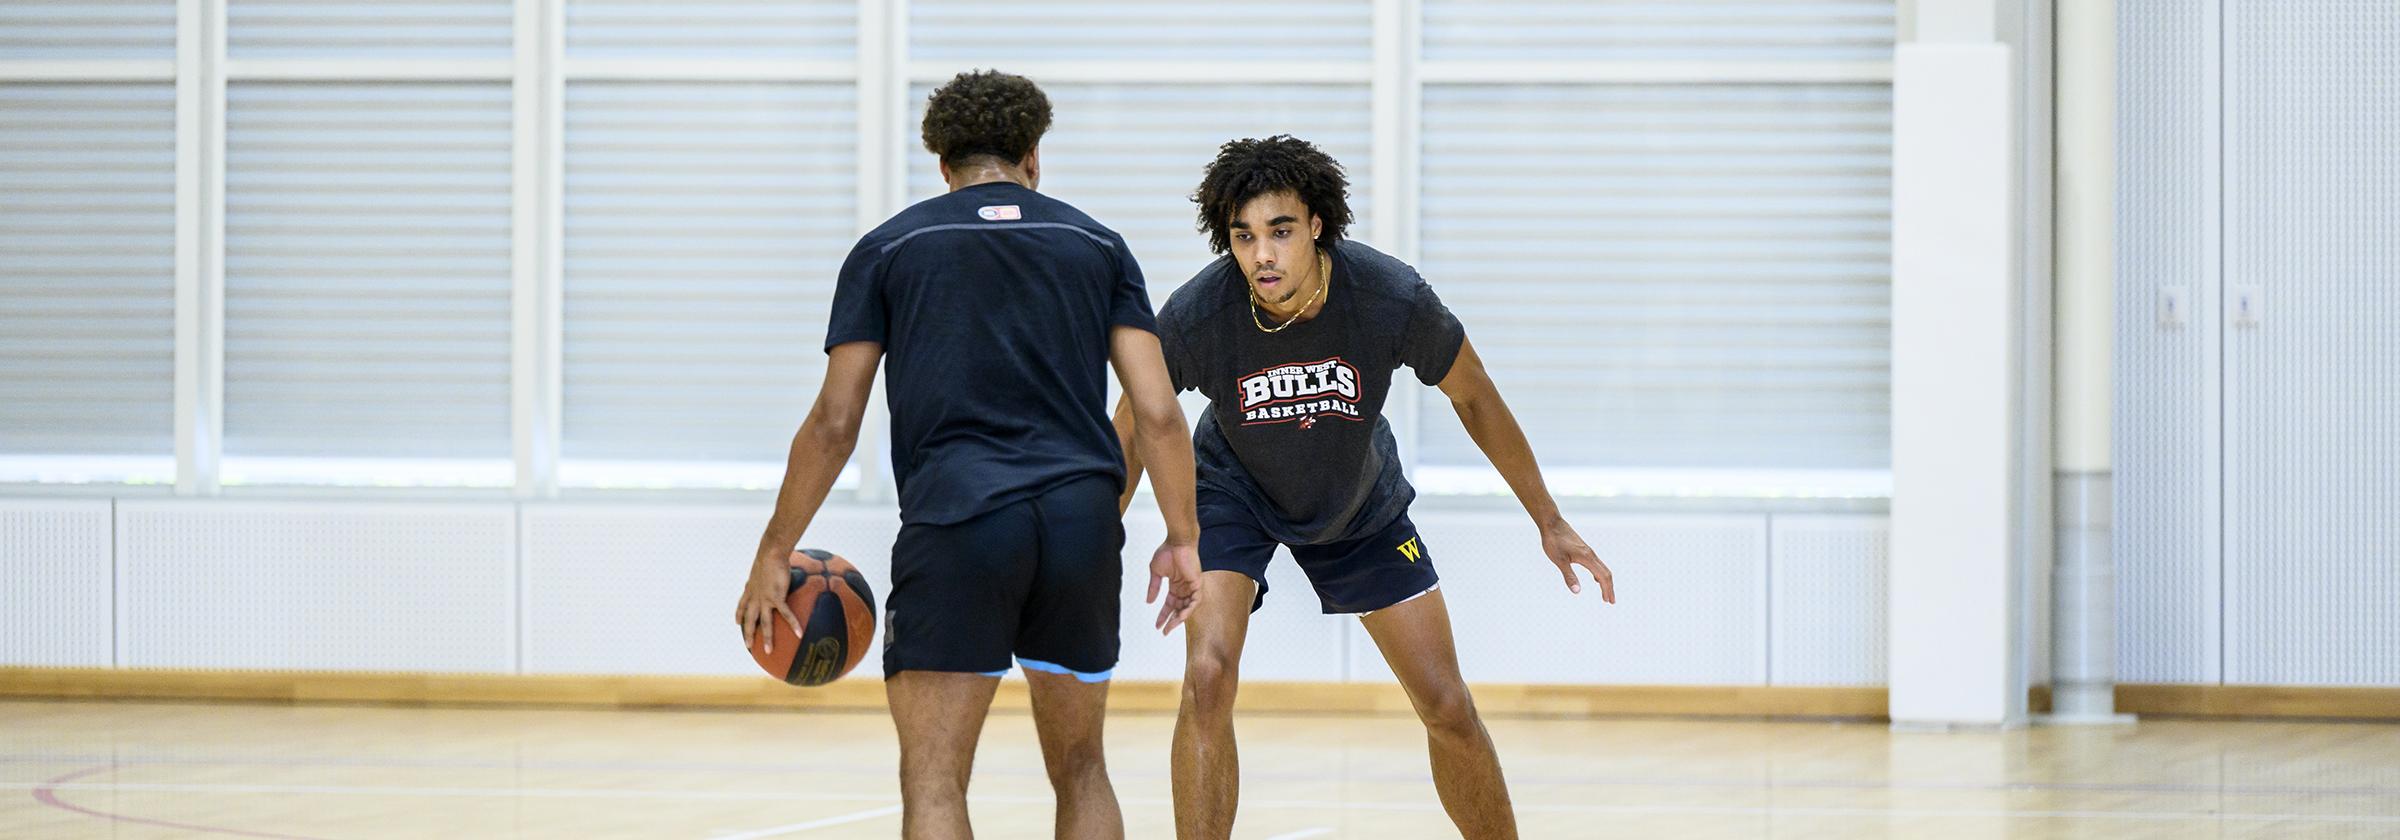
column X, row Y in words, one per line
column 47, row 794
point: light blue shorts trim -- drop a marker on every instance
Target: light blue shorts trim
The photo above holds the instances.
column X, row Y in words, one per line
column 1053, row 668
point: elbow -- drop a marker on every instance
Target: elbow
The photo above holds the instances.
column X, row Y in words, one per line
column 830, row 432
column 1477, row 398
column 1165, row 418
column 1468, row 407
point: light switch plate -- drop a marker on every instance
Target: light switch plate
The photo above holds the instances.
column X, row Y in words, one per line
column 2246, row 306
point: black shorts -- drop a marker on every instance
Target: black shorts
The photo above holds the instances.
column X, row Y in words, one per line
column 1037, row 579
column 1358, row 576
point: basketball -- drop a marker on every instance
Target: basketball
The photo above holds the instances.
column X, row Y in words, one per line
column 836, row 611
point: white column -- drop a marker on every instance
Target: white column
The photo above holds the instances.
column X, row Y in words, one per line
column 1950, row 21
column 1956, row 328
column 1397, row 93
column 2084, row 611
column 199, row 245
column 535, row 249
column 884, row 155
column 2087, row 184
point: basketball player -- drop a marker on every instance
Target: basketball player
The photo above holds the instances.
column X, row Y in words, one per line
column 1293, row 335
column 1000, row 311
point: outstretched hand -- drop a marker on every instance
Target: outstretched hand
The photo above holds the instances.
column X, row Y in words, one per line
column 1567, row 551
column 1177, row 566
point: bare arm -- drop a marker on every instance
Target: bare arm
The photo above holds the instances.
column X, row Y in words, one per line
column 1495, row 431
column 819, row 450
column 1161, row 441
column 1133, row 457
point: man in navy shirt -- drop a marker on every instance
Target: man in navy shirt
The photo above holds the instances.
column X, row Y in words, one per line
column 1294, row 335
column 997, row 311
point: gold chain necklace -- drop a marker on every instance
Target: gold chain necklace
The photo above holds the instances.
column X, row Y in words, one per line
column 1324, row 279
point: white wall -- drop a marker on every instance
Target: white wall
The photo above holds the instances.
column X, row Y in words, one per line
column 2255, row 446
column 645, row 588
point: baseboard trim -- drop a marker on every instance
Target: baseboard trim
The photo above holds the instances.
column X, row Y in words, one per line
column 2259, row 701
column 866, row 694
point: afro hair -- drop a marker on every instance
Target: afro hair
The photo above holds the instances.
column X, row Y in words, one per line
column 1248, row 168
column 985, row 113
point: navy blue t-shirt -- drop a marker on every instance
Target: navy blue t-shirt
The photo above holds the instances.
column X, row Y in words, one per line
column 993, row 305
column 1294, row 429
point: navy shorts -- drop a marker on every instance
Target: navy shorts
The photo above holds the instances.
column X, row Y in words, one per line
column 1037, row 580
column 1358, row 576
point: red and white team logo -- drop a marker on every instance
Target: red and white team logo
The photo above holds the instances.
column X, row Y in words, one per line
column 1301, row 392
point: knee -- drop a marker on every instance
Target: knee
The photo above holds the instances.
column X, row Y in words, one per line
column 1209, row 682
column 1450, row 713
column 1076, row 766
column 931, row 776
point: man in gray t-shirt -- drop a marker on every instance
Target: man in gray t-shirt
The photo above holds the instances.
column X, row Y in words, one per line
column 1294, row 336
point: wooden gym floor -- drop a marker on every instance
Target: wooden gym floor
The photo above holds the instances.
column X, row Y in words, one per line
column 162, row 770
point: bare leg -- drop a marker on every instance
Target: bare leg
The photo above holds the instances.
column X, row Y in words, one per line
column 1207, row 769
column 1415, row 640
column 940, row 717
column 1067, row 713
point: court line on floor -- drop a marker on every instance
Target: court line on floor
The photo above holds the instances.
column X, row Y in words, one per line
column 47, row 794
column 1430, row 807
column 796, row 828
column 1303, row 833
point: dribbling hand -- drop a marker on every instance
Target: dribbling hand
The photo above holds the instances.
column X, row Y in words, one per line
column 763, row 599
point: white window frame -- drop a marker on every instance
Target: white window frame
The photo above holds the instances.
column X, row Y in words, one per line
column 883, row 73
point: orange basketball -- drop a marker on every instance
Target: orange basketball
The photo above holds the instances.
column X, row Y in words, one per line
column 837, row 617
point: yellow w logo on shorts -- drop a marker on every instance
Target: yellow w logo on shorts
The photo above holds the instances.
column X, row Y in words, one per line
column 1412, row 549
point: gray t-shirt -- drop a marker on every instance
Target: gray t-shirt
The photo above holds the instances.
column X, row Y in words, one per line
column 1295, row 428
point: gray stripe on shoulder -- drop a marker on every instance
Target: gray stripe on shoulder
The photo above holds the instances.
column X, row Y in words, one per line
column 1104, row 243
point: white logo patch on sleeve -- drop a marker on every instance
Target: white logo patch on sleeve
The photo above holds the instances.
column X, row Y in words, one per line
column 1000, row 213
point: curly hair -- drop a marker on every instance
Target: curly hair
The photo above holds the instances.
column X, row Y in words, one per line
column 1248, row 168
column 985, row 113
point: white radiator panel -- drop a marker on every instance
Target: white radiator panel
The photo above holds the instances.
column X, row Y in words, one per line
column 1289, row 639
column 620, row 589
column 630, row 589
column 646, row 589
column 316, row 585
column 54, row 556
column 1829, row 620
column 1690, row 601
